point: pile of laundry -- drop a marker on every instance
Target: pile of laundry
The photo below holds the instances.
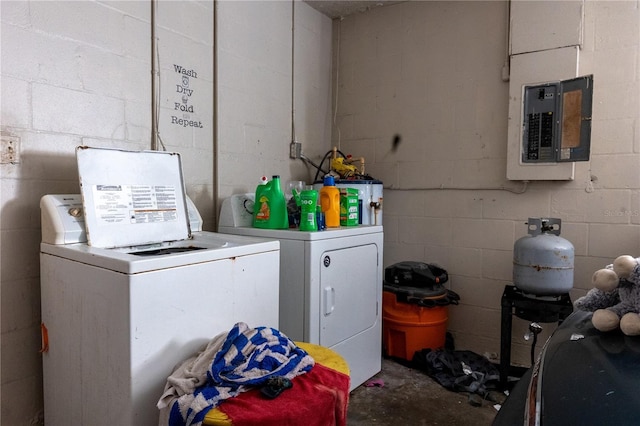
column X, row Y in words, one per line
column 231, row 363
column 461, row 371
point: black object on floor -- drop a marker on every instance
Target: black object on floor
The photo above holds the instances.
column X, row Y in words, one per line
column 459, row 371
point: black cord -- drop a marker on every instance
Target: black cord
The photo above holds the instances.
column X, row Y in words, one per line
column 319, row 168
column 315, row 179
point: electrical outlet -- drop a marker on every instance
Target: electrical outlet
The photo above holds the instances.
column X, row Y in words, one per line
column 295, row 150
column 9, row 149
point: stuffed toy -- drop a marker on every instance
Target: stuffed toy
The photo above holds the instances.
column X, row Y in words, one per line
column 615, row 298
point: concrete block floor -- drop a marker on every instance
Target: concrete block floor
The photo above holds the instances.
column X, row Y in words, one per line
column 410, row 397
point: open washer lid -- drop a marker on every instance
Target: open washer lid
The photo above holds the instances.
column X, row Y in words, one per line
column 132, row 198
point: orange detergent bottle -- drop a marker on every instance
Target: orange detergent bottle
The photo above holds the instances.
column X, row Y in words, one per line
column 330, row 202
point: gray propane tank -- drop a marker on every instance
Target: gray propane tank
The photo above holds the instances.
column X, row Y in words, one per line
column 543, row 261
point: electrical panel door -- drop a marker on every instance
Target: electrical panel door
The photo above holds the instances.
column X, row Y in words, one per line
column 557, row 121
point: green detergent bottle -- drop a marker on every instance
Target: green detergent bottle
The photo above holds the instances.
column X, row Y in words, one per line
column 270, row 208
column 307, row 200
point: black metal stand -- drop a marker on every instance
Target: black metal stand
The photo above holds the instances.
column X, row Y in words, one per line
column 530, row 309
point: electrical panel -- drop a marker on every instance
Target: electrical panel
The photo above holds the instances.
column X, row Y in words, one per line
column 557, row 121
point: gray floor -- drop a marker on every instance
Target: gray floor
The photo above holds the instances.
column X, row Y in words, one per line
column 410, row 397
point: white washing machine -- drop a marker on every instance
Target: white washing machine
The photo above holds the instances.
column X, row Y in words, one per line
column 116, row 317
column 330, row 285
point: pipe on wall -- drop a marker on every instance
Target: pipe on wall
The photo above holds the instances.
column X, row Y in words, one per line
column 154, row 80
column 216, row 186
column 156, row 141
column 506, row 67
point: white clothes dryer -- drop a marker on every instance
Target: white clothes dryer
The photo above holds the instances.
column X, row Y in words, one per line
column 330, row 285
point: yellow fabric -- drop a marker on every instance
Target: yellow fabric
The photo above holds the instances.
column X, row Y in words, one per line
column 320, row 354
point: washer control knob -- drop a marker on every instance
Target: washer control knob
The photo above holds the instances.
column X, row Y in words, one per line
column 75, row 211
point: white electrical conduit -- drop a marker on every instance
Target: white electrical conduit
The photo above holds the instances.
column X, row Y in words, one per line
column 506, row 66
column 293, row 35
column 335, row 108
column 522, row 190
column 216, row 186
column 156, row 140
column 154, row 80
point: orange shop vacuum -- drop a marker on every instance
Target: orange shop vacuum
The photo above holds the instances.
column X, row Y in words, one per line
column 415, row 308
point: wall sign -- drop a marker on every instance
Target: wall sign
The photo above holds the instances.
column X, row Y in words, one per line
column 183, row 108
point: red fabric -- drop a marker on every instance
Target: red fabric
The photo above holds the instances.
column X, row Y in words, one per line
column 317, row 398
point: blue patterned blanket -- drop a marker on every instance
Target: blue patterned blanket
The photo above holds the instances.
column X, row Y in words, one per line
column 231, row 363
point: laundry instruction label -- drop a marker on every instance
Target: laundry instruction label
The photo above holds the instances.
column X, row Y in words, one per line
column 116, row 204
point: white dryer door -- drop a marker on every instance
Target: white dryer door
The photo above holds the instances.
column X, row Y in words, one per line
column 348, row 292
